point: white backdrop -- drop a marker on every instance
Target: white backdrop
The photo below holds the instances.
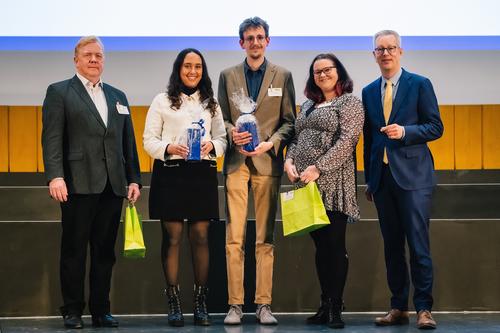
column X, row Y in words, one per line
column 459, row 77
column 222, row 17
column 463, row 75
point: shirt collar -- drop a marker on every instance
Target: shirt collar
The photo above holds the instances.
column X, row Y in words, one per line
column 87, row 82
column 193, row 97
column 394, row 79
column 262, row 68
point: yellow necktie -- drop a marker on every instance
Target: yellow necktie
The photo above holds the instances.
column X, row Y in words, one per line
column 387, row 110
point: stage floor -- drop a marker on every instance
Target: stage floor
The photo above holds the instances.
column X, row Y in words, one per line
column 359, row 323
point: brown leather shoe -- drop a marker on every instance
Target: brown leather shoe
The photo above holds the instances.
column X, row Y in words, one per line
column 393, row 317
column 425, row 320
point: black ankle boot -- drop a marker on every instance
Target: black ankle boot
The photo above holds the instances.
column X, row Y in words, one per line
column 200, row 312
column 335, row 315
column 321, row 316
column 175, row 317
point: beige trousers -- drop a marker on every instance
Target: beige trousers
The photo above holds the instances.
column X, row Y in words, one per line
column 265, row 193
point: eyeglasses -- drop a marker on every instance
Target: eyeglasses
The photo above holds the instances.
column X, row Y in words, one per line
column 327, row 70
column 258, row 38
column 391, row 50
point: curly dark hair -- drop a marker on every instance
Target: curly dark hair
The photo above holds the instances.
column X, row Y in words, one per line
column 344, row 82
column 204, row 86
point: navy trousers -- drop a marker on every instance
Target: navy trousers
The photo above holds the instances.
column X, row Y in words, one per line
column 404, row 216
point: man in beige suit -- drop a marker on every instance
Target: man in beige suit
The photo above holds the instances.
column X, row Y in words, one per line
column 271, row 87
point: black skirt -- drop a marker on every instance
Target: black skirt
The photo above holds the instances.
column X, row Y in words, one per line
column 183, row 190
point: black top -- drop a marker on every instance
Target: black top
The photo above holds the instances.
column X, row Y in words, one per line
column 187, row 90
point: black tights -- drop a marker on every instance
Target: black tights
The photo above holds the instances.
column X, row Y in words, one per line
column 170, row 248
column 331, row 256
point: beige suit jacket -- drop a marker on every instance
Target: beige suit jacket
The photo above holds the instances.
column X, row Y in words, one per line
column 275, row 116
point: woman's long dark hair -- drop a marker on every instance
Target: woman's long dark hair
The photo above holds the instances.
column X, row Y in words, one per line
column 204, row 86
column 344, row 82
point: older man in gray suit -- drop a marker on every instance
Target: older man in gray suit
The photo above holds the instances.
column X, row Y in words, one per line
column 271, row 87
column 90, row 157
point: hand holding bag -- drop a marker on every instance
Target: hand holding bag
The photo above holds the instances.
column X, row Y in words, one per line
column 302, row 210
column 134, row 242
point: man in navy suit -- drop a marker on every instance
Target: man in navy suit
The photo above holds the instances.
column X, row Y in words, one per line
column 401, row 116
column 90, row 159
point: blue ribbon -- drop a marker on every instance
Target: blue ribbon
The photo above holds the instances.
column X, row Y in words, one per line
column 251, row 112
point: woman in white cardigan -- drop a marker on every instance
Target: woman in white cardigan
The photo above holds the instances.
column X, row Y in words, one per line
column 183, row 190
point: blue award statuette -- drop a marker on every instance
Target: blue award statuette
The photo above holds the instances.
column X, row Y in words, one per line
column 194, row 135
column 250, row 127
column 246, row 122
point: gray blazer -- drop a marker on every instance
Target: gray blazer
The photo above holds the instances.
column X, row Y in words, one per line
column 275, row 116
column 80, row 148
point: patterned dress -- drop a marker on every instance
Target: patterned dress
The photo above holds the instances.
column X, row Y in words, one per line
column 327, row 138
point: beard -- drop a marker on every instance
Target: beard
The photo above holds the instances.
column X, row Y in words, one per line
column 255, row 56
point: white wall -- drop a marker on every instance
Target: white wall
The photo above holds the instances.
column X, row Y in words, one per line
column 459, row 77
column 221, row 17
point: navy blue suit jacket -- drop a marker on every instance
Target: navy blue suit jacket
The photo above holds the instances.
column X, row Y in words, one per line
column 415, row 107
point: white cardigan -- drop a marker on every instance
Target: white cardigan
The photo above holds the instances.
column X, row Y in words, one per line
column 165, row 125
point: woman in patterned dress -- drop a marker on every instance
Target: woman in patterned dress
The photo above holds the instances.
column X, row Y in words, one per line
column 323, row 150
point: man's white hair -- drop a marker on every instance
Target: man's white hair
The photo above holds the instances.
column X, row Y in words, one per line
column 87, row 40
column 386, row 33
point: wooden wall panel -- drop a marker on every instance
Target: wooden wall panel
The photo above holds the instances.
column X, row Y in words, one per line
column 443, row 149
column 359, row 154
column 39, row 151
column 138, row 114
column 22, row 139
column 4, row 138
column 468, row 138
column 471, row 139
column 220, row 163
column 491, row 136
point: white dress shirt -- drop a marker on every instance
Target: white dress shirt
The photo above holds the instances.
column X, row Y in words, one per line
column 97, row 95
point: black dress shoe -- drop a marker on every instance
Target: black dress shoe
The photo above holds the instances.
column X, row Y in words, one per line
column 106, row 320
column 73, row 321
column 321, row 316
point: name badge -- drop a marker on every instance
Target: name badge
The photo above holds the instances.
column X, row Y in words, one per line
column 271, row 92
column 122, row 109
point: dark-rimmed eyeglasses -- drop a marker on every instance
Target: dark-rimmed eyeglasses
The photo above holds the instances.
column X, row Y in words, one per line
column 327, row 70
column 258, row 38
column 391, row 50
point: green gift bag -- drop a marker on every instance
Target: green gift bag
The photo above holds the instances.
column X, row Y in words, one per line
column 302, row 210
column 134, row 242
